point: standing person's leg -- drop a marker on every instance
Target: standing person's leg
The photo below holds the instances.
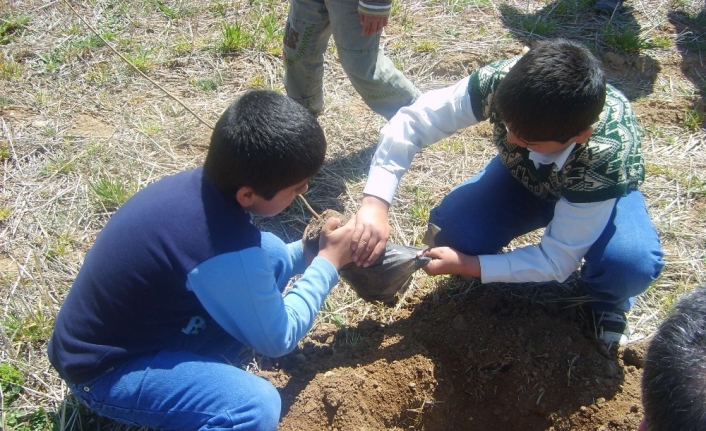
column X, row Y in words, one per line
column 185, row 391
column 625, row 259
column 383, row 88
column 305, row 40
column 482, row 215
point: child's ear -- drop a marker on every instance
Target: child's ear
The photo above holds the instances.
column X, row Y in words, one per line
column 245, row 196
column 582, row 137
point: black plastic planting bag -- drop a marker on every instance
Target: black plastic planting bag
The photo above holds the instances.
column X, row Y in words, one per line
column 385, row 278
column 389, row 275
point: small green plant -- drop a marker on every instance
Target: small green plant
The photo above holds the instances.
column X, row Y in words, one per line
column 61, row 167
column 142, row 59
column 11, row 381
column 694, row 119
column 662, row 41
column 624, row 39
column 60, row 245
column 81, row 46
column 51, row 61
column 536, row 25
column 459, row 5
column 451, row 144
column 174, row 11
column 235, row 37
column 426, row 46
column 206, row 84
column 4, row 148
column 49, row 132
column 421, row 206
column 218, row 7
column 99, row 73
column 257, row 81
column 30, row 329
column 11, row 26
column 150, row 129
column 183, row 47
column 20, row 420
column 271, row 30
column 350, row 336
column 111, row 193
column 9, row 68
column 5, row 213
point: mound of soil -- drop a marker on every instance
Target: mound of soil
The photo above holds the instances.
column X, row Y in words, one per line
column 478, row 360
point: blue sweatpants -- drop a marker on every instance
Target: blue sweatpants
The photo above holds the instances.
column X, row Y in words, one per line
column 482, row 215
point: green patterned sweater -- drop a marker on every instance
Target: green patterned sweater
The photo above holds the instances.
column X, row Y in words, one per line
column 605, row 167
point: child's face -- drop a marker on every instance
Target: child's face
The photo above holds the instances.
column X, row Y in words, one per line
column 536, row 146
column 262, row 207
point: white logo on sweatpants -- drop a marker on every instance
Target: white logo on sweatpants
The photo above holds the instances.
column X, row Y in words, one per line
column 196, row 324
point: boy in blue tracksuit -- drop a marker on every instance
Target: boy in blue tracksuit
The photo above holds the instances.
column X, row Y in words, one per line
column 180, row 280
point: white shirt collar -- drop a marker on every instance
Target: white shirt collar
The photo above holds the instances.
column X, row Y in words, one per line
column 558, row 158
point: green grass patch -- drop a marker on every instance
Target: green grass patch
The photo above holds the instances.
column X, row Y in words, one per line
column 421, row 206
column 51, row 62
column 694, row 119
column 61, row 167
column 9, row 68
column 536, row 25
column 174, row 10
column 142, row 59
column 426, row 46
column 11, row 381
column 5, row 213
column 207, row 85
column 111, row 192
column 60, row 245
column 236, row 38
column 11, row 26
column 29, row 329
column 38, row 420
column 622, row 39
column 257, row 81
column 271, row 31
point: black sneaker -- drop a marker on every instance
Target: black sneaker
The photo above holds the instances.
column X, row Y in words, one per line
column 608, row 6
column 611, row 327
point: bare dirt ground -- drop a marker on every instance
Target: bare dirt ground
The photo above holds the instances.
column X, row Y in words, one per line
column 451, row 354
column 461, row 361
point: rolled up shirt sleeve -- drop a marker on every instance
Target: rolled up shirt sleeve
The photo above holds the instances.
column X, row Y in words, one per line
column 566, row 240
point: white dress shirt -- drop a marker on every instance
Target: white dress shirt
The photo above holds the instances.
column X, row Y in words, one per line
column 438, row 114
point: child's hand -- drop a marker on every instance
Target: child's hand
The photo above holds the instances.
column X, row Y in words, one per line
column 372, row 24
column 371, row 231
column 446, row 260
column 334, row 242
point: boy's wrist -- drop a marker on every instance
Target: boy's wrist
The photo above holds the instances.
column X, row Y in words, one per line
column 372, row 201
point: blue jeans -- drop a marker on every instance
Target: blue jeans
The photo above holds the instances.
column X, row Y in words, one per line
column 309, row 26
column 482, row 215
column 195, row 385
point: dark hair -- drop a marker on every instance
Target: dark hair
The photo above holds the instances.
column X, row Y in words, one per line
column 674, row 377
column 266, row 141
column 553, row 93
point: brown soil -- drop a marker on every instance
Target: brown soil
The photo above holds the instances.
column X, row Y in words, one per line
column 475, row 360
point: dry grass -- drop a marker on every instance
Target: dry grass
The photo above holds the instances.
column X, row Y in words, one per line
column 80, row 129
